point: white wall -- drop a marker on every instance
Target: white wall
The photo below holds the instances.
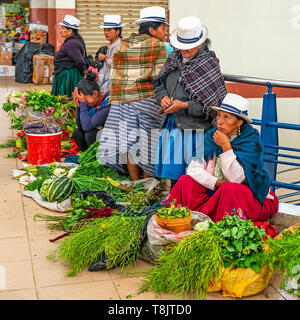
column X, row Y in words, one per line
column 258, row 38
column 255, row 38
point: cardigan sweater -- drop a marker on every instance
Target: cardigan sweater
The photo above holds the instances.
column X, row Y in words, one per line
column 232, row 170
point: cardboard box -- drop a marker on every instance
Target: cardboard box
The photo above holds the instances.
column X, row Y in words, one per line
column 42, row 68
column 5, row 58
column 7, row 71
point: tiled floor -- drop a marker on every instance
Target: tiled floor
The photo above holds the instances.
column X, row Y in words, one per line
column 24, row 244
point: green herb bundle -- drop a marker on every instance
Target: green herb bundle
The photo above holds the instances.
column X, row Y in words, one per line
column 71, row 219
column 42, row 173
column 90, row 154
column 118, row 237
column 188, row 266
column 97, row 170
column 77, row 212
column 243, row 246
column 140, row 199
column 9, row 144
column 283, row 255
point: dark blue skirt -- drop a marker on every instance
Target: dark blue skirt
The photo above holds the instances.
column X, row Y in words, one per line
column 176, row 148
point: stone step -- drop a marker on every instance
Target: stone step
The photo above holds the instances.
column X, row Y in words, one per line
column 287, row 215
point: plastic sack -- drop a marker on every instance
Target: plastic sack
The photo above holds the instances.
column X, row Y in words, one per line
column 24, row 61
column 158, row 237
column 46, row 116
column 53, row 206
column 148, row 183
column 241, row 282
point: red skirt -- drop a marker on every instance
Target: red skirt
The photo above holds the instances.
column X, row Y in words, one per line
column 227, row 198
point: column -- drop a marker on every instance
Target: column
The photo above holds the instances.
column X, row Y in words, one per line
column 51, row 12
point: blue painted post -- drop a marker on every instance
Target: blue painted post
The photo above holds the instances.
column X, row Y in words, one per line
column 269, row 135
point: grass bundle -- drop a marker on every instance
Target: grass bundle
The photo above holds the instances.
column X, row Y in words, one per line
column 187, row 267
column 118, row 237
column 283, row 255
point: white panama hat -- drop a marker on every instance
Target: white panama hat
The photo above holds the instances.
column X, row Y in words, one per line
column 235, row 104
column 154, row 14
column 112, row 21
column 70, row 22
column 189, row 33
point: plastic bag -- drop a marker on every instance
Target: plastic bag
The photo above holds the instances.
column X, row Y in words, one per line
column 53, row 206
column 103, row 195
column 46, row 116
column 148, row 183
column 241, row 282
column 158, row 237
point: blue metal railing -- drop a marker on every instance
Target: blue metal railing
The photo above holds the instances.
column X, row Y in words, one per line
column 269, row 133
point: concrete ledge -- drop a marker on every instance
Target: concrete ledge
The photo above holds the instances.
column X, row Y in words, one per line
column 287, row 215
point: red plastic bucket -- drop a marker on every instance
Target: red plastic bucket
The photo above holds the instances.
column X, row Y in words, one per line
column 43, row 148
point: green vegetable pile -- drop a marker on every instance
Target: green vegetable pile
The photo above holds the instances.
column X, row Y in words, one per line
column 82, row 183
column 38, row 100
column 71, row 219
column 42, row 173
column 90, row 154
column 243, row 242
column 173, row 212
column 188, row 266
column 140, row 199
column 96, row 169
column 283, row 255
column 118, row 237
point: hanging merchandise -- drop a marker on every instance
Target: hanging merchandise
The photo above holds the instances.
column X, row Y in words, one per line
column 38, row 33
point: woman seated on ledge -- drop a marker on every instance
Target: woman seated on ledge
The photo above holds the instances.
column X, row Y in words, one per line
column 92, row 111
column 231, row 176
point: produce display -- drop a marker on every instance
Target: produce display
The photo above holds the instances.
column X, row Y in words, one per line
column 230, row 255
column 107, row 224
column 40, row 106
column 173, row 212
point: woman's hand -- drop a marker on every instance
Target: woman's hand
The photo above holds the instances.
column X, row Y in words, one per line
column 166, row 102
column 78, row 97
column 101, row 57
column 220, row 182
column 222, row 140
column 176, row 105
column 75, row 96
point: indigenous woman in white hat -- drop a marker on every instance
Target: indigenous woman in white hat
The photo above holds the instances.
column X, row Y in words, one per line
column 126, row 142
column 230, row 177
column 70, row 59
column 189, row 83
column 113, row 33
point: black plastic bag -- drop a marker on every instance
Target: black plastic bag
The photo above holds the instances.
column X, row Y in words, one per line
column 24, row 60
column 100, row 264
column 102, row 195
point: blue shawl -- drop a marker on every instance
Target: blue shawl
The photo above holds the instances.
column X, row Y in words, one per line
column 248, row 150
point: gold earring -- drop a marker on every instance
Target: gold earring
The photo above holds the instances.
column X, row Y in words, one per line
column 238, row 131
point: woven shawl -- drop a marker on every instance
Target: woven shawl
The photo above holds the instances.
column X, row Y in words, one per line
column 201, row 78
column 134, row 68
